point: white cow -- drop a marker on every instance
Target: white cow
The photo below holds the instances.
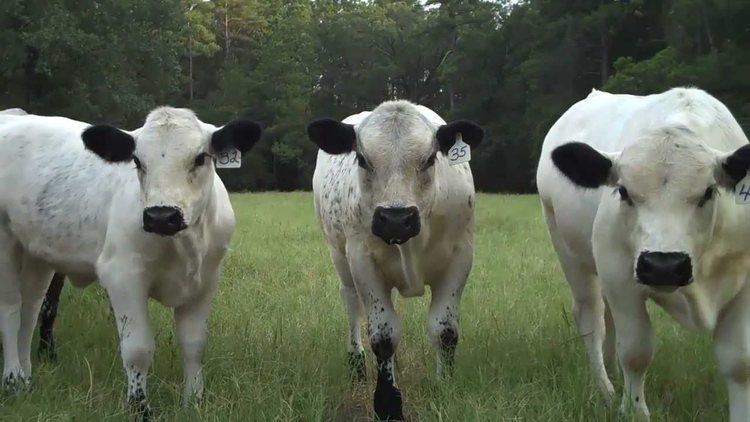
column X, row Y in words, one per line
column 643, row 199
column 143, row 211
column 396, row 215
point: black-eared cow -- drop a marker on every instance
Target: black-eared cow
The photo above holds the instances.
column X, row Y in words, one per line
column 638, row 196
column 397, row 216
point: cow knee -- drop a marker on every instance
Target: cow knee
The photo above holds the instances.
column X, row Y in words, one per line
column 137, row 357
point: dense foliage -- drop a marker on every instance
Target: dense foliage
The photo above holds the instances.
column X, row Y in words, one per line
column 512, row 66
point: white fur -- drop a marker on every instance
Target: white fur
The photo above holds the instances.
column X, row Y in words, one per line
column 667, row 150
column 63, row 208
column 396, row 139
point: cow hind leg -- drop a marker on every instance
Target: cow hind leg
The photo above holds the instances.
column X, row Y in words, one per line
column 14, row 377
column 35, row 278
column 47, row 315
column 353, row 308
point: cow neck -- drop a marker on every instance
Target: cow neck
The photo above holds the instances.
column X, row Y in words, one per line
column 410, row 266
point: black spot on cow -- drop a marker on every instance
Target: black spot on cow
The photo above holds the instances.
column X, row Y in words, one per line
column 471, row 202
column 582, row 164
column 387, row 400
column 737, row 164
column 332, row 136
column 109, row 143
column 471, row 133
column 240, row 134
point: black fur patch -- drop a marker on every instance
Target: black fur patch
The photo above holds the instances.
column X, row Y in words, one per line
column 582, row 164
column 737, row 164
column 240, row 134
column 47, row 317
column 109, row 143
column 332, row 136
column 471, row 133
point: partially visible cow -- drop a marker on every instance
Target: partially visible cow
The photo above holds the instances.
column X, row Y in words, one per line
column 396, row 215
column 48, row 312
column 143, row 211
column 47, row 316
column 637, row 194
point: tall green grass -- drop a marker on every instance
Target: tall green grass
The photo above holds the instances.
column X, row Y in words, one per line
column 277, row 338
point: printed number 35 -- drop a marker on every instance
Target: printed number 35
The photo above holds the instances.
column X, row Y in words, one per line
column 456, row 153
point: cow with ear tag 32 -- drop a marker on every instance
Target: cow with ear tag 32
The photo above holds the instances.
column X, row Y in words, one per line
column 398, row 214
column 142, row 211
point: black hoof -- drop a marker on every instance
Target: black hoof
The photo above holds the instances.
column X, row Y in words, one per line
column 387, row 403
column 139, row 408
column 357, row 366
column 14, row 384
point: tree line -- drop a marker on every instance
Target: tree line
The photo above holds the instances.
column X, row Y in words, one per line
column 512, row 66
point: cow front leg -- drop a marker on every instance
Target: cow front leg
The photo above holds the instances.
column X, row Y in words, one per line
column 129, row 304
column 47, row 315
column 384, row 333
column 443, row 316
column 192, row 332
column 14, row 378
column 635, row 349
column 384, row 330
column 732, row 347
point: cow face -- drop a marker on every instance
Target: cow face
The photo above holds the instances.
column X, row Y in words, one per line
column 396, row 150
column 172, row 155
column 664, row 189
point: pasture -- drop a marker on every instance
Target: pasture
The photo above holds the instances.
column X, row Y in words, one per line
column 277, row 338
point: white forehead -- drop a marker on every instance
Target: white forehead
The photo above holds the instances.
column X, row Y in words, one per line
column 668, row 159
column 168, row 128
column 396, row 127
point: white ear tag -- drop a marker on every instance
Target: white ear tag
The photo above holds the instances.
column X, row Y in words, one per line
column 230, row 158
column 742, row 191
column 460, row 152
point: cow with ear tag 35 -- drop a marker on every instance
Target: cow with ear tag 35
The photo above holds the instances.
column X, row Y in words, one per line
column 142, row 211
column 397, row 213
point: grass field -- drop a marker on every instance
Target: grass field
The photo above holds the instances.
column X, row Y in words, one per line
column 277, row 338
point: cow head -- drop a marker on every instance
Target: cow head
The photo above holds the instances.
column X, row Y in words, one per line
column 396, row 149
column 664, row 191
column 172, row 155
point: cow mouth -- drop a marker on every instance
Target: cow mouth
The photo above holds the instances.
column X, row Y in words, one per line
column 396, row 241
column 664, row 288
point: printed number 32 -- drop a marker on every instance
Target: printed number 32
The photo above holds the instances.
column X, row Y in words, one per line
column 228, row 157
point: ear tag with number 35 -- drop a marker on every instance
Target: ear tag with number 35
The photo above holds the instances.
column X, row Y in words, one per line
column 230, row 158
column 460, row 152
column 742, row 191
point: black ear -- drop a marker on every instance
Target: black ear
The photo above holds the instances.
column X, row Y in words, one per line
column 240, row 134
column 582, row 164
column 471, row 133
column 735, row 166
column 109, row 143
column 332, row 136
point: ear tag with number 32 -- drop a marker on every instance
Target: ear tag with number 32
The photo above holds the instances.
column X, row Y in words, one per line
column 230, row 158
column 742, row 191
column 460, row 152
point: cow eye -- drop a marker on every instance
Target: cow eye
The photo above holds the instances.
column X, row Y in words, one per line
column 363, row 163
column 200, row 159
column 137, row 163
column 707, row 196
column 430, row 161
column 624, row 195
